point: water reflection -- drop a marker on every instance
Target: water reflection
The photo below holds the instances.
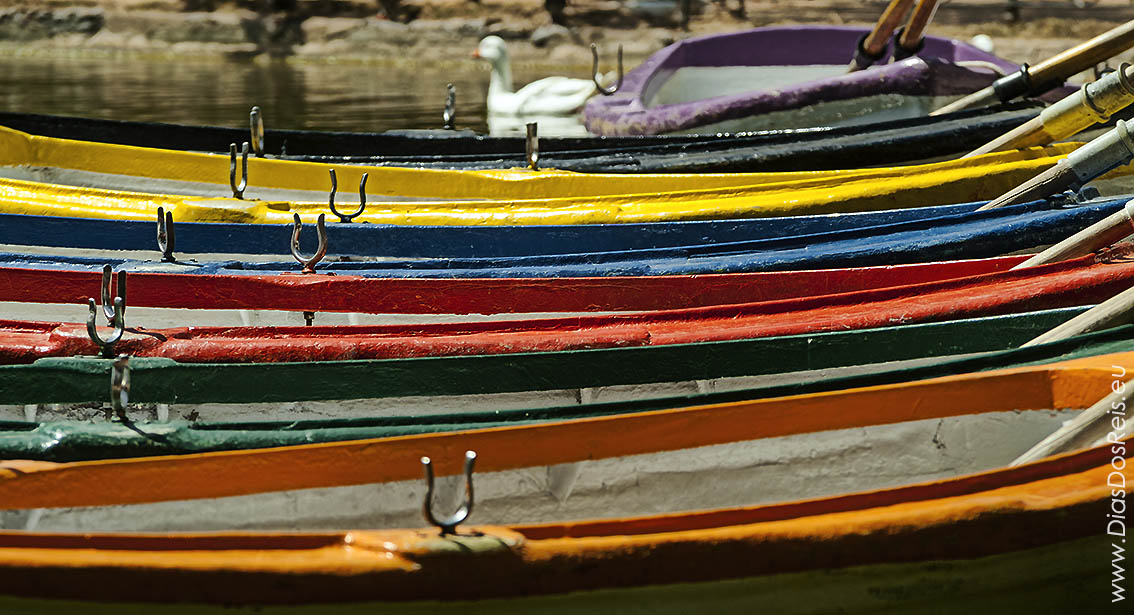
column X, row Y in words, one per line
column 320, row 96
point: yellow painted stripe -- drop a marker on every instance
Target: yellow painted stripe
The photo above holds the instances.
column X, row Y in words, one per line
column 903, row 187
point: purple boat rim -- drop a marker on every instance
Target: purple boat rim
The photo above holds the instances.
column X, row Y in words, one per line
column 943, row 70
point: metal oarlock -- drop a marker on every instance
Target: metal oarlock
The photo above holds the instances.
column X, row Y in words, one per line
column 165, row 237
column 106, row 346
column 531, row 146
column 108, row 308
column 449, row 115
column 448, row 525
column 238, row 189
column 120, row 385
column 595, row 72
column 321, row 230
column 361, row 197
column 256, row 131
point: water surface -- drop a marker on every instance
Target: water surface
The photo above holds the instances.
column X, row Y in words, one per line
column 301, row 95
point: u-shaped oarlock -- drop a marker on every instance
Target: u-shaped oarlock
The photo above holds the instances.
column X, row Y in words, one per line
column 449, row 524
column 595, row 73
column 449, row 115
column 165, row 237
column 361, row 197
column 256, row 131
column 531, row 146
column 106, row 346
column 238, row 189
column 109, row 309
column 120, row 385
column 320, row 252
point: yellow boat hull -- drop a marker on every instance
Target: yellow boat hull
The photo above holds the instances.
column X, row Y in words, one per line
column 480, row 197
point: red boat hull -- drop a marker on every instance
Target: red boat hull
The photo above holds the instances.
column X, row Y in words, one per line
column 1077, row 282
column 326, row 293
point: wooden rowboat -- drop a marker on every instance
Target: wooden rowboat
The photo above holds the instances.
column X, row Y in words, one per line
column 449, row 394
column 880, row 143
column 1067, row 283
column 999, row 540
column 553, row 197
column 454, row 241
column 162, row 380
column 355, row 294
column 729, row 454
column 964, row 235
column 785, row 77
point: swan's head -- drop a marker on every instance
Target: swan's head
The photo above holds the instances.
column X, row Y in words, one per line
column 492, row 48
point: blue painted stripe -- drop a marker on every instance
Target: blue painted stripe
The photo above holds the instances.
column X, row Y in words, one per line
column 968, row 234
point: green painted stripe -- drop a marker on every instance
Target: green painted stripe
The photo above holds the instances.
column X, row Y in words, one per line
column 72, row 441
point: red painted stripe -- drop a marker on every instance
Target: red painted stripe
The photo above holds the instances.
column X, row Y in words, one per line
column 323, row 293
column 1057, row 285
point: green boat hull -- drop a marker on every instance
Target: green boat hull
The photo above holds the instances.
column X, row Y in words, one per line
column 73, row 441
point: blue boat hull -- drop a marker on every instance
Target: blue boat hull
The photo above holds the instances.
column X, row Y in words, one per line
column 959, row 232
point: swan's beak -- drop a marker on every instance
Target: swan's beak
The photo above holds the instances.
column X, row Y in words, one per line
column 475, row 53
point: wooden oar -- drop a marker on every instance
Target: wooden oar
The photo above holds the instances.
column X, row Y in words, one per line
column 872, row 46
column 1118, row 310
column 1105, row 232
column 911, row 37
column 1094, row 103
column 1042, row 77
column 1104, row 154
column 1106, row 421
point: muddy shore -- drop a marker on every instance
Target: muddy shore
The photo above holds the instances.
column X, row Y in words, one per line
column 432, row 31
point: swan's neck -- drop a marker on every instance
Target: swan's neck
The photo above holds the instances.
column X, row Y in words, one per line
column 501, row 81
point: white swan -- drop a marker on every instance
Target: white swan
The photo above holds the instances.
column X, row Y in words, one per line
column 549, row 96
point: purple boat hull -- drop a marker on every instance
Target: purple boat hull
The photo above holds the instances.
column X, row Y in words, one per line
column 944, row 68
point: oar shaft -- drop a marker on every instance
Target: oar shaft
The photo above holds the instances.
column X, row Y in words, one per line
column 1051, row 72
column 1089, row 429
column 1094, row 103
column 1108, row 152
column 1118, row 310
column 913, row 33
column 872, row 46
column 1105, row 232
column 1083, row 56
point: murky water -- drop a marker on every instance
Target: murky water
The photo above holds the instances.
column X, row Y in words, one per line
column 293, row 95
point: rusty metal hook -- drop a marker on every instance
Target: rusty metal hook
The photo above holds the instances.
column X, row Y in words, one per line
column 106, row 346
column 108, row 307
column 531, row 146
column 120, row 385
column 449, row 524
column 165, row 237
column 361, row 197
column 320, row 252
column 595, row 74
column 238, row 190
column 256, row 128
column 449, row 115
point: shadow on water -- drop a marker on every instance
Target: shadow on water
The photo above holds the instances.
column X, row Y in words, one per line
column 322, row 96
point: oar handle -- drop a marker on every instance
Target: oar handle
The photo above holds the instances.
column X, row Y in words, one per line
column 911, row 37
column 1083, row 56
